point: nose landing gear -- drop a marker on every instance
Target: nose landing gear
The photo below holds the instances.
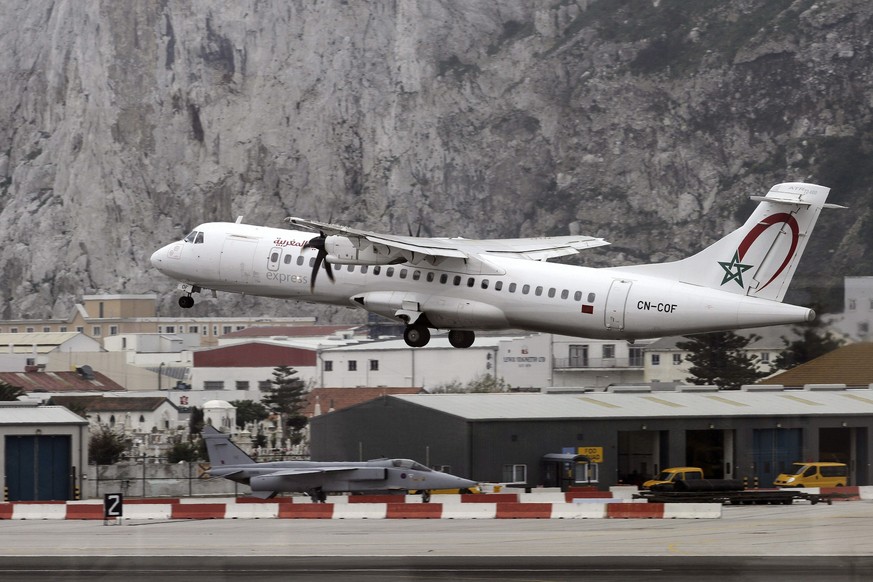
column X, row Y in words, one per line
column 186, row 301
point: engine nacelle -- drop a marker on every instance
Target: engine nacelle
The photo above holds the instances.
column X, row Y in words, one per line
column 342, row 250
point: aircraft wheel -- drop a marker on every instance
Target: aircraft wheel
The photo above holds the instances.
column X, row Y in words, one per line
column 416, row 336
column 425, row 496
column 186, row 302
column 461, row 338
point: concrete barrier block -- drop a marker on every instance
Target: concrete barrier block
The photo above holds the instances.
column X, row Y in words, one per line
column 360, row 511
column 692, row 510
column 470, row 511
column 579, row 511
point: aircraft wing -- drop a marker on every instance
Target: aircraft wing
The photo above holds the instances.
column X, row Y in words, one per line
column 309, row 471
column 537, row 249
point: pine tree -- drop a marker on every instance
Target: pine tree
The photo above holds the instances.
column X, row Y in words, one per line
column 813, row 340
column 287, row 397
column 8, row 392
column 721, row 359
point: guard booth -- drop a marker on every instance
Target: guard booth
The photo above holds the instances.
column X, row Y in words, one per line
column 565, row 470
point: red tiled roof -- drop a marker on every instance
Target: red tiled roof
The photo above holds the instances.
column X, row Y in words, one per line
column 851, row 365
column 291, row 331
column 109, row 404
column 339, row 398
column 254, row 355
column 59, row 382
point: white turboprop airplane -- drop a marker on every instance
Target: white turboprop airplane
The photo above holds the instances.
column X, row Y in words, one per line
column 462, row 285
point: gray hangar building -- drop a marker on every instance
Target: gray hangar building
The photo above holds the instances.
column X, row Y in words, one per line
column 622, row 435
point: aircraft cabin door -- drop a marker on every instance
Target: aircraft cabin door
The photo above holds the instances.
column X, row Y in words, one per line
column 615, row 304
column 237, row 255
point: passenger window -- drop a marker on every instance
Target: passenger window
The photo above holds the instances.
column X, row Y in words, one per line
column 591, row 298
column 498, row 285
column 444, row 278
column 565, row 294
column 538, row 291
column 351, row 268
column 274, row 257
column 457, row 280
column 577, row 296
column 525, row 290
column 300, row 260
column 364, row 269
column 402, row 273
column 377, row 269
column 389, row 272
column 288, row 259
column 551, row 291
column 471, row 282
column 512, row 287
column 416, row 275
column 430, row 277
column 311, row 261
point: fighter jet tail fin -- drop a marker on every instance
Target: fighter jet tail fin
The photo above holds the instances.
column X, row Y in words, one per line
column 221, row 450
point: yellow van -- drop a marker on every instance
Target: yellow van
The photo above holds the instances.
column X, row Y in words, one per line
column 815, row 475
column 674, row 474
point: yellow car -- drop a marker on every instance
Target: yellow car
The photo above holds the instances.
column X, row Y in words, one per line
column 674, row 474
column 815, row 475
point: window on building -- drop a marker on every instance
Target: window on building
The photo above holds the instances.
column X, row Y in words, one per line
column 63, row 329
column 374, row 365
column 851, row 305
column 96, row 331
column 30, row 330
column 328, row 365
column 578, row 356
column 47, row 329
column 635, row 356
column 141, row 418
column 353, row 365
column 213, row 385
column 677, row 359
column 656, row 359
column 265, row 385
column 242, row 384
column 765, row 357
column 515, row 473
column 79, row 329
column 170, row 329
column 608, row 351
column 226, row 329
column 193, row 329
column 13, row 330
column 863, row 328
column 113, row 330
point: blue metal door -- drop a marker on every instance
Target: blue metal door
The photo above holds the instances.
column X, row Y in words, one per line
column 38, row 467
column 775, row 450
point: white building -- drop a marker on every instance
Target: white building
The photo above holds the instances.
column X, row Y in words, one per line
column 20, row 352
column 857, row 321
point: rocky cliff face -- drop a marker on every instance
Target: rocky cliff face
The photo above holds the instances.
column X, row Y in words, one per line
column 645, row 122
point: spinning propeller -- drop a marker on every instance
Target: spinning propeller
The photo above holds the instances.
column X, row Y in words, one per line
column 317, row 243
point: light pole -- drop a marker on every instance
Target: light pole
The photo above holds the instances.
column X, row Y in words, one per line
column 160, row 374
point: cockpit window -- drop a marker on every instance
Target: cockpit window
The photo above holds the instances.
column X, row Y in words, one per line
column 195, row 237
column 409, row 464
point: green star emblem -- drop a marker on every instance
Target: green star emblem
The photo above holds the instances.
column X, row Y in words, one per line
column 733, row 271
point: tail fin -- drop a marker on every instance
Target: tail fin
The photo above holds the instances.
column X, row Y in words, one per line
column 221, row 451
column 759, row 258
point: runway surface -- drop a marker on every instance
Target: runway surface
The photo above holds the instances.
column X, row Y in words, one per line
column 798, row 542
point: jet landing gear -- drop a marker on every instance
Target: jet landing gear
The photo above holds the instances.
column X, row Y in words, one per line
column 461, row 338
column 186, row 302
column 318, row 495
column 416, row 335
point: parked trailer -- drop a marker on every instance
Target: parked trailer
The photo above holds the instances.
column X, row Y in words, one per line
column 727, row 491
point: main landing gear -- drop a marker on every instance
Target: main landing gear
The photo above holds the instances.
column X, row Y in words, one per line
column 317, row 495
column 417, row 336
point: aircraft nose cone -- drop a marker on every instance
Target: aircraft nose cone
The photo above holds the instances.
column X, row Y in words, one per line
column 156, row 259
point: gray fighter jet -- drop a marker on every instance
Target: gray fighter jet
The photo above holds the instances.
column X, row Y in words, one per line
column 319, row 478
